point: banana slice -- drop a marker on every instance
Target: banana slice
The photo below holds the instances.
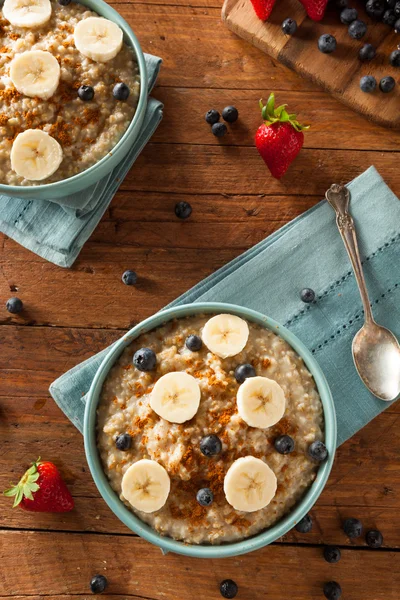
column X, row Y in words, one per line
column 35, row 73
column 146, row 485
column 27, row 13
column 225, row 335
column 98, row 38
column 261, row 402
column 35, row 155
column 249, row 484
column 176, row 397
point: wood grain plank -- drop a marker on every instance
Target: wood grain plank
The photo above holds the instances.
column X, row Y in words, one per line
column 333, row 124
column 132, row 566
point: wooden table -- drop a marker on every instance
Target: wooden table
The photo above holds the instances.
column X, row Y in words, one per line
column 71, row 314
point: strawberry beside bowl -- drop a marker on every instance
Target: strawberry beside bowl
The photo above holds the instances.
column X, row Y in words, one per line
column 129, row 518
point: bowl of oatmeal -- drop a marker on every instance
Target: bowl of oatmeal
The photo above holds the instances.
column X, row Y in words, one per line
column 73, row 95
column 210, row 430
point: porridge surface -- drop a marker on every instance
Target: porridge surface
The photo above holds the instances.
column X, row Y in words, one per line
column 125, row 407
column 86, row 131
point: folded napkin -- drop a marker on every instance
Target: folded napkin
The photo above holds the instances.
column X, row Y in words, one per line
column 58, row 229
column 308, row 252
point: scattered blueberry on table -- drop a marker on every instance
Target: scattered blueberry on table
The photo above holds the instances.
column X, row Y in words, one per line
column 394, row 58
column 307, row 295
column 121, row 91
column 205, row 497
column 228, row 588
column 98, row 584
column 332, row 554
column 14, row 305
column 366, row 53
column 210, row 445
column 318, row 451
column 145, row 359
column 386, row 84
column 183, row 210
column 284, row 444
column 129, row 277
column 352, row 528
column 327, row 43
column 219, row 129
column 332, row 590
column 357, row 29
column 397, row 26
column 304, row 525
column 389, row 17
column 348, row 15
column 193, row 343
column 212, row 116
column 368, row 84
column 86, row 93
column 374, row 538
column 244, row 371
column 123, row 442
column 230, row 114
column 375, row 9
column 289, row 26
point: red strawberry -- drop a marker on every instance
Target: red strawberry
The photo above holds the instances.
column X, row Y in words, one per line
column 263, row 8
column 280, row 138
column 41, row 489
column 315, row 8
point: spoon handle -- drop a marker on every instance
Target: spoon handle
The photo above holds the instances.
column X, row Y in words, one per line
column 338, row 197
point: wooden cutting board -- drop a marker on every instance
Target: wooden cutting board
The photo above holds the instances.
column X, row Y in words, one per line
column 338, row 73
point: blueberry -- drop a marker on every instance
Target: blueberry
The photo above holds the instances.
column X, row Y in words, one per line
column 212, row 116
column 367, row 52
column 230, row 114
column 14, row 305
column 86, row 93
column 193, row 343
column 391, row 3
column 244, row 371
column 374, row 538
column 210, row 445
column 318, row 451
column 145, row 359
column 341, row 3
column 183, row 210
column 327, row 43
column 304, row 525
column 307, row 295
column 357, row 29
column 332, row 554
column 123, row 441
column 387, row 84
column 219, row 129
column 64, row 2
column 348, row 15
column 205, row 497
column 352, row 528
column 284, row 444
column 389, row 17
column 332, row 590
column 375, row 8
column 289, row 26
column 121, row 91
column 397, row 9
column 397, row 26
column 129, row 278
column 368, row 83
column 228, row 588
column 98, row 584
column 395, row 58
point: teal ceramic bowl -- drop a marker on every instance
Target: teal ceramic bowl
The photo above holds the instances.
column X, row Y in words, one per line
column 133, row 522
column 58, row 189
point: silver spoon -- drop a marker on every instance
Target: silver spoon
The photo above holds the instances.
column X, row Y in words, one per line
column 376, row 351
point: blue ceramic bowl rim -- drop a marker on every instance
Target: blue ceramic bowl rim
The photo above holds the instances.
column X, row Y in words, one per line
column 132, row 521
column 129, row 36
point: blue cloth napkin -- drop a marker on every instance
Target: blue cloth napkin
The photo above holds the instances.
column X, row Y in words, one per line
column 58, row 229
column 308, row 252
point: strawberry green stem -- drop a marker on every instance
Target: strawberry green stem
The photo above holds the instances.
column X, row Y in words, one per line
column 271, row 115
column 26, row 486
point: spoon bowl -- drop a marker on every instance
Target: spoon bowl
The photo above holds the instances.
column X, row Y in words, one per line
column 376, row 354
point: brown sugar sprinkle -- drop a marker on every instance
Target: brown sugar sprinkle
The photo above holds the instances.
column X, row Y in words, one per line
column 9, row 95
column 14, row 36
column 3, row 120
column 224, row 416
column 238, row 521
column 91, row 115
column 128, row 367
column 188, row 459
column 141, row 423
column 61, row 132
column 4, row 50
column 284, row 427
column 191, row 511
column 255, row 362
column 265, row 363
column 66, row 27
